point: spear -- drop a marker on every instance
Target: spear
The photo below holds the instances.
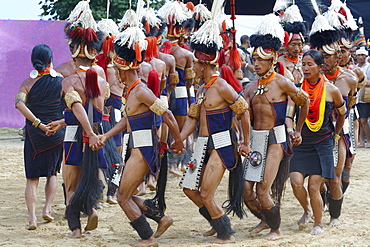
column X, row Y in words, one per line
column 235, row 61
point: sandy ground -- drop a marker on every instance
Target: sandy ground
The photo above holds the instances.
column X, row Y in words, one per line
column 115, row 230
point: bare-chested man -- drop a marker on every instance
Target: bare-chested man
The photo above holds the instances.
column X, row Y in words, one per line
column 183, row 93
column 346, row 82
column 268, row 97
column 294, row 26
column 140, row 109
column 216, row 102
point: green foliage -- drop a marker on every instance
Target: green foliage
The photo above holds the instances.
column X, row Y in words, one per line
column 60, row 9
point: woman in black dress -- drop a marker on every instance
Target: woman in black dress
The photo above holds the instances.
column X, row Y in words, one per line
column 39, row 100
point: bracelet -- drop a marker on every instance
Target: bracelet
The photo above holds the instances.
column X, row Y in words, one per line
column 336, row 137
column 36, row 123
column 290, row 130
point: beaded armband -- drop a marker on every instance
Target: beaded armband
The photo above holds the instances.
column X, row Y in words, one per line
column 342, row 110
column 239, row 106
column 290, row 112
column 72, row 97
column 173, row 78
column 363, row 82
column 300, row 98
column 107, row 92
column 21, row 96
column 189, row 73
column 158, row 107
column 351, row 101
column 194, row 111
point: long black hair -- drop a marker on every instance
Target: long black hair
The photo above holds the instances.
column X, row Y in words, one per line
column 41, row 56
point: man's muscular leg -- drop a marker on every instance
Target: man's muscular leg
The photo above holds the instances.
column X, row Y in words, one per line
column 71, row 177
column 211, row 179
column 336, row 196
column 269, row 209
column 252, row 202
column 297, row 182
column 135, row 170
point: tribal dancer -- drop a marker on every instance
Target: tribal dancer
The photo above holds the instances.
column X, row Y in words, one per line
column 314, row 156
column 84, row 94
column 292, row 60
column 142, row 151
column 178, row 25
column 113, row 106
column 345, row 43
column 268, row 97
column 216, row 103
column 39, row 100
column 346, row 82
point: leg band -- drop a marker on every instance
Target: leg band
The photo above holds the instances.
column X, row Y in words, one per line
column 344, row 186
column 272, row 217
column 335, row 207
column 142, row 227
column 152, row 212
column 255, row 208
column 222, row 227
column 204, row 212
column 73, row 218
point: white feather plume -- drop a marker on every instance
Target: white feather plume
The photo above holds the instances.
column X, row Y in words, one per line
column 334, row 18
column 292, row 14
column 151, row 17
column 172, row 9
column 128, row 19
column 108, row 26
column 217, row 9
column 207, row 33
column 335, row 5
column 270, row 24
column 320, row 24
column 202, row 11
column 130, row 36
column 82, row 14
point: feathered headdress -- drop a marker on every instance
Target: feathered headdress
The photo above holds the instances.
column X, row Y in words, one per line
column 293, row 24
column 130, row 45
column 81, row 30
column 153, row 25
column 268, row 38
column 177, row 20
column 206, row 42
column 201, row 15
column 323, row 36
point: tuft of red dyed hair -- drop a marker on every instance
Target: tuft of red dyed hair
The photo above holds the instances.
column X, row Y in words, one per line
column 153, row 82
column 228, row 75
column 166, row 47
column 92, row 89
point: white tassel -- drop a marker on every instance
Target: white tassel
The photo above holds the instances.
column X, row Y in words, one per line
column 130, row 36
column 207, row 33
column 270, row 24
column 350, row 23
column 292, row 14
column 335, row 5
column 320, row 24
column 108, row 26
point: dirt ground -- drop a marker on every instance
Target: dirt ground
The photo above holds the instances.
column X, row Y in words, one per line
column 115, row 230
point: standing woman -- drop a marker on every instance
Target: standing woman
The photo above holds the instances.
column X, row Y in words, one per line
column 39, row 100
column 314, row 156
